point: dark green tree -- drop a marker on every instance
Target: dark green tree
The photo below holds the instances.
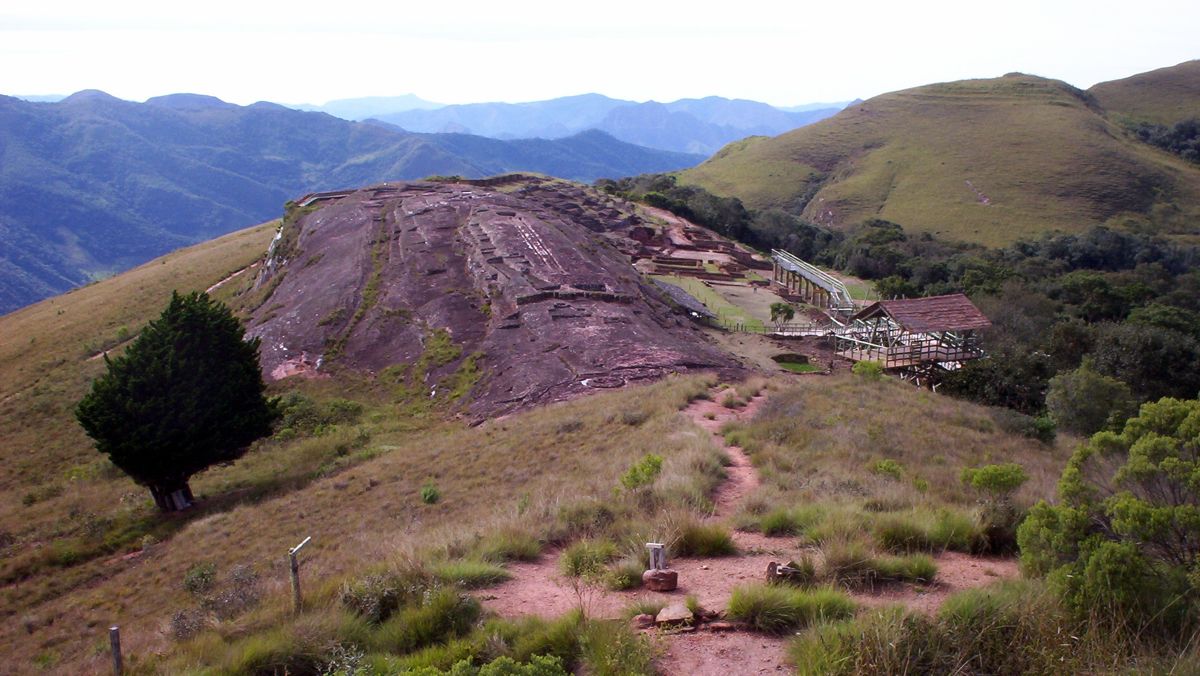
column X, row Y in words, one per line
column 187, row 394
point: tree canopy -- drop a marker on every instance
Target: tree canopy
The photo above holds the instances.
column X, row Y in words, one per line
column 1125, row 536
column 187, row 394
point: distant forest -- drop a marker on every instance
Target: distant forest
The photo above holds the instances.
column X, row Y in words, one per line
column 1127, row 302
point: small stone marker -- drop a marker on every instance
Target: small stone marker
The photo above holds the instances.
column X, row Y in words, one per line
column 659, row 578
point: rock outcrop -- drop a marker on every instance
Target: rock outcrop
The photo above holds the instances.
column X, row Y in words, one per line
column 520, row 290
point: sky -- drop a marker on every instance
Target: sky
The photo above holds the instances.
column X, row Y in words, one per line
column 783, row 52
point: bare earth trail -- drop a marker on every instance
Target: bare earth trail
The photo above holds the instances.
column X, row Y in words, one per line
column 537, row 588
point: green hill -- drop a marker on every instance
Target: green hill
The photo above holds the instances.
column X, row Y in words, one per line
column 986, row 161
column 1163, row 96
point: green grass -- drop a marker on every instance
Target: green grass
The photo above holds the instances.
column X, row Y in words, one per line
column 1163, row 96
column 774, row 609
column 698, row 539
column 470, row 574
column 799, row 368
column 1041, row 157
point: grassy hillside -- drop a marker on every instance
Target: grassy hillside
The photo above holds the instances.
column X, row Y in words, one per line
column 81, row 546
column 985, row 161
column 1163, row 96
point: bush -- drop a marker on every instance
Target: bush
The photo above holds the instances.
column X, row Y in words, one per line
column 587, row 558
column 704, row 540
column 199, row 578
column 643, row 472
column 1125, row 535
column 998, row 482
column 1085, row 402
column 430, row 494
column 777, row 609
column 376, row 596
column 868, row 370
column 889, row 468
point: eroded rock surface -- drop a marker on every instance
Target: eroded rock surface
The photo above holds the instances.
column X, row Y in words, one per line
column 532, row 277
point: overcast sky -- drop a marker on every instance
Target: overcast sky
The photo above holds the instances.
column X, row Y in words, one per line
column 784, row 53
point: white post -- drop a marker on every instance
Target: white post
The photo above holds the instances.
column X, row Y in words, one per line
column 658, row 555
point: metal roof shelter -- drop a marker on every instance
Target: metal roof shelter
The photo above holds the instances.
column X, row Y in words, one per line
column 919, row 334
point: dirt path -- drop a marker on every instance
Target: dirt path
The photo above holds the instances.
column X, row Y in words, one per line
column 537, row 588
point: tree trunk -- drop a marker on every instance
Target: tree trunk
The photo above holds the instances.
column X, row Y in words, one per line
column 172, row 496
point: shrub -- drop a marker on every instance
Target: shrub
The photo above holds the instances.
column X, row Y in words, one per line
column 1125, row 536
column 998, row 482
column 889, row 468
column 1084, row 401
column 559, row 638
column 430, row 494
column 643, row 472
column 199, row 578
column 775, row 609
column 868, row 370
column 378, row 595
column 704, row 540
column 587, row 558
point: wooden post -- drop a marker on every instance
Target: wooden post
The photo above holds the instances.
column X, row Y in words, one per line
column 294, row 567
column 114, row 641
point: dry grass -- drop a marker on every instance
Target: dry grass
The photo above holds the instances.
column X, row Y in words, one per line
column 819, row 440
column 517, row 474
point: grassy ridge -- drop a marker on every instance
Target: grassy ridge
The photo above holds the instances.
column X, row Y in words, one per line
column 985, row 161
column 1163, row 96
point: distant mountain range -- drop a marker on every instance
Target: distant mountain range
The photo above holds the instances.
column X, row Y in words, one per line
column 986, row 161
column 688, row 125
column 92, row 184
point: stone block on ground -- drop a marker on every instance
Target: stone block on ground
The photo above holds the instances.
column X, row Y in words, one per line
column 660, row 580
column 675, row 614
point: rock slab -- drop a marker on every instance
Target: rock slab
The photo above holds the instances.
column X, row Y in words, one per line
column 676, row 614
column 661, row 580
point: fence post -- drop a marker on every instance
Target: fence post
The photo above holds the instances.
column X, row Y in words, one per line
column 294, row 567
column 114, row 642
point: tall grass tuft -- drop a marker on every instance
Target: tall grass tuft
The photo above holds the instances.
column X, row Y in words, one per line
column 775, row 609
column 697, row 539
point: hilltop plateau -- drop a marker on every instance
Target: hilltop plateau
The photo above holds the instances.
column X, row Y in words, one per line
column 521, row 281
column 987, row 161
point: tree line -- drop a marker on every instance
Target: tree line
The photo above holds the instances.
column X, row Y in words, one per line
column 1127, row 302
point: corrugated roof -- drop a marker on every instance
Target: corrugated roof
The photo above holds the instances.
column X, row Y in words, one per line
column 955, row 312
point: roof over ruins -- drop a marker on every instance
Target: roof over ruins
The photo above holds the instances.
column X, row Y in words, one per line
column 954, row 312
